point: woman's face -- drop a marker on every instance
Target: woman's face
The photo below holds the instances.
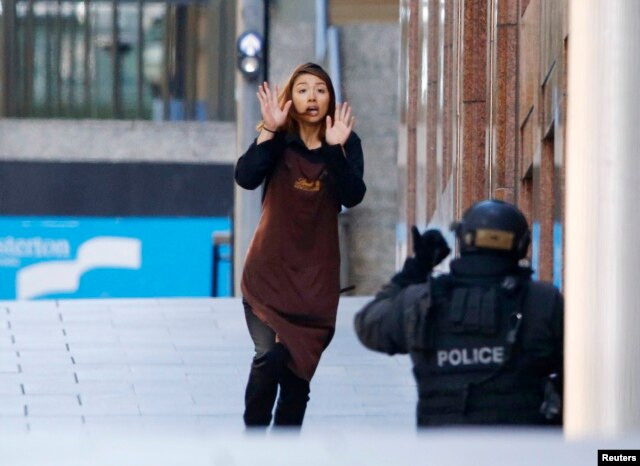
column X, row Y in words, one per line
column 310, row 97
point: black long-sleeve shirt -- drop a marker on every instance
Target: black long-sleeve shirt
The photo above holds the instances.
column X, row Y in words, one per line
column 346, row 169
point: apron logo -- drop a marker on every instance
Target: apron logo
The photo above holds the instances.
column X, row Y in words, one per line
column 306, row 185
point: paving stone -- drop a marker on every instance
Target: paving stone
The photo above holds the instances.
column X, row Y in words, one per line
column 160, row 388
column 114, row 424
column 45, row 424
column 57, row 344
column 52, row 385
column 28, row 308
column 210, row 357
column 9, row 368
column 46, row 368
column 143, row 335
column 98, row 373
column 39, row 340
column 80, row 316
column 141, row 356
column 106, row 387
column 12, row 405
column 111, row 404
column 61, row 356
column 94, row 332
column 13, row 425
column 166, row 373
column 52, row 405
column 107, row 355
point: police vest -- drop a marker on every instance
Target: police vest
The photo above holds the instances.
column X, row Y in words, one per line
column 466, row 353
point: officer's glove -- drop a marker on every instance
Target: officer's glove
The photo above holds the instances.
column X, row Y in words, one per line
column 412, row 272
column 430, row 249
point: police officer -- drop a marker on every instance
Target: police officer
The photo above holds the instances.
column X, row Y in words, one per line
column 485, row 340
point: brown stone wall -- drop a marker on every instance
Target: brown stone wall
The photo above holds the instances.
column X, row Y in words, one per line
column 432, row 105
column 500, row 130
column 506, row 102
column 414, row 63
column 474, row 92
column 449, row 107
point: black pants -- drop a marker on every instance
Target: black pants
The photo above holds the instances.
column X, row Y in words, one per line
column 268, row 371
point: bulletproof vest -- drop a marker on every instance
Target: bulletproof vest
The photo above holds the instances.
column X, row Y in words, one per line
column 466, row 353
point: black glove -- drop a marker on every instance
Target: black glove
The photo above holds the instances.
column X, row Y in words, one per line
column 430, row 249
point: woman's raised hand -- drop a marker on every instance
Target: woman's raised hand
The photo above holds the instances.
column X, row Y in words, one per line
column 272, row 115
column 339, row 129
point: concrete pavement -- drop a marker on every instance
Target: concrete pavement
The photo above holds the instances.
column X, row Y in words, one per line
column 172, row 364
column 160, row 382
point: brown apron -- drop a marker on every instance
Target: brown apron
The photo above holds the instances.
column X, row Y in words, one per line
column 291, row 276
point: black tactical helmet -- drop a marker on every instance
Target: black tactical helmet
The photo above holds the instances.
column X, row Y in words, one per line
column 493, row 227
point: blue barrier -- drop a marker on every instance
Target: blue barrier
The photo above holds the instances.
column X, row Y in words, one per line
column 86, row 257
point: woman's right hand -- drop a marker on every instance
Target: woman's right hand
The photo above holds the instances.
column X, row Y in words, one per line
column 273, row 117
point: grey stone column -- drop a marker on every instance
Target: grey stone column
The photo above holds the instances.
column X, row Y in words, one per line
column 602, row 327
column 247, row 204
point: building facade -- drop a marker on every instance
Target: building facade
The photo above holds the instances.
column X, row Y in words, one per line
column 483, row 96
column 69, row 99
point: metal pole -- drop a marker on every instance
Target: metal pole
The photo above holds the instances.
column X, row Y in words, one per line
column 72, row 21
column 249, row 16
column 9, row 57
column 140, row 59
column 3, row 64
column 333, row 58
column 321, row 31
column 48, row 61
column 602, row 388
column 58, row 59
column 167, row 59
column 116, row 90
column 29, row 41
column 86, row 50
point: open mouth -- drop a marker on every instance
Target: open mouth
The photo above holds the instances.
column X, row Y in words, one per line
column 313, row 111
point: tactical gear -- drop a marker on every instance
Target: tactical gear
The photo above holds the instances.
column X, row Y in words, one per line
column 483, row 339
column 466, row 347
column 493, row 227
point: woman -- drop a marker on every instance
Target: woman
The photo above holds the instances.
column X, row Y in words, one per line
column 311, row 163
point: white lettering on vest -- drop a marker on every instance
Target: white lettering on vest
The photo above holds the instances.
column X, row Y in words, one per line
column 484, row 355
column 470, row 356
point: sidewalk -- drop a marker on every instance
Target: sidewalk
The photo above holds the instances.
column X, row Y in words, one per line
column 174, row 365
column 160, row 382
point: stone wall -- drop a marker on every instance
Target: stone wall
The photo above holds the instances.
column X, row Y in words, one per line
column 369, row 59
column 117, row 141
column 370, row 85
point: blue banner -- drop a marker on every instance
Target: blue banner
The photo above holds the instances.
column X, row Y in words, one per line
column 60, row 258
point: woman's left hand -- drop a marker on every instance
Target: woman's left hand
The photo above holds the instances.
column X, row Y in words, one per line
column 339, row 129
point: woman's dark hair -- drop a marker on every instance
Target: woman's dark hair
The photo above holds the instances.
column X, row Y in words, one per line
column 291, row 123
